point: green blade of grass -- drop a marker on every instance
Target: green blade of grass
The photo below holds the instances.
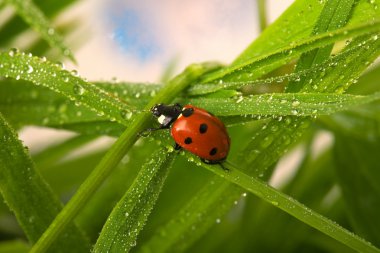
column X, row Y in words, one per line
column 293, row 207
column 298, row 22
column 262, row 14
column 96, row 211
column 28, row 195
column 41, row 72
column 261, row 65
column 201, row 212
column 49, row 157
column 115, row 154
column 358, row 175
column 14, row 247
column 26, row 104
column 15, row 25
column 272, row 141
column 128, row 217
column 294, row 24
column 285, row 104
column 334, row 15
column 362, row 122
column 37, row 20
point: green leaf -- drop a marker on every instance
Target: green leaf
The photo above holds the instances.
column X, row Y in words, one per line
column 37, row 20
column 95, row 213
column 204, row 210
column 261, row 7
column 334, row 15
column 41, row 72
column 294, row 24
column 285, row 104
column 258, row 66
column 357, row 173
column 28, row 195
column 120, row 232
column 15, row 246
column 15, row 25
column 293, row 207
column 53, row 154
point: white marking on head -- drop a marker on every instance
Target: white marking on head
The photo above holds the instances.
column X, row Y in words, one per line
column 161, row 119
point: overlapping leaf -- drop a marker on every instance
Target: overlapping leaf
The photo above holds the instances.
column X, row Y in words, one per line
column 37, row 20
column 28, row 195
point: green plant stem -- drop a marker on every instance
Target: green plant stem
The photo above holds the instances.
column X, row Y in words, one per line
column 114, row 155
column 293, row 207
column 261, row 10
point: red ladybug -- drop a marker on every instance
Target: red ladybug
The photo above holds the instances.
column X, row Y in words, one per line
column 195, row 130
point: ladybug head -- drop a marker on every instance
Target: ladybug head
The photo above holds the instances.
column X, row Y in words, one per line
column 166, row 114
column 157, row 110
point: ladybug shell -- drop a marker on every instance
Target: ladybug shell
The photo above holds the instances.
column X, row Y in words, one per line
column 202, row 134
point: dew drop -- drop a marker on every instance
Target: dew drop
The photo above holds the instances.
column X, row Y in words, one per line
column 170, row 148
column 79, row 90
column 295, row 103
column 241, row 98
column 74, row 72
column 126, row 114
column 274, row 128
column 66, row 52
column 275, row 203
column 30, row 69
column 267, row 141
column 12, row 52
column 218, row 220
column 51, row 31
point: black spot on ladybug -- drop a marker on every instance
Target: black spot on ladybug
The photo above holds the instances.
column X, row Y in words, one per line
column 213, row 151
column 187, row 112
column 188, row 140
column 203, row 128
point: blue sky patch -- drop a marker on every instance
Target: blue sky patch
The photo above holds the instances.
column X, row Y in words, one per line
column 132, row 33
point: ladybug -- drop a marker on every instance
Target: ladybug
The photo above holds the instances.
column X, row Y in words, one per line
column 195, row 130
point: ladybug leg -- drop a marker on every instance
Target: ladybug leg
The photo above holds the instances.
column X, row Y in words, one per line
column 177, row 146
column 215, row 162
column 145, row 132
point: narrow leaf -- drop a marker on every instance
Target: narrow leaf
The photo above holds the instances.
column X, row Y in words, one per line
column 37, row 20
column 28, row 195
column 357, row 172
column 200, row 213
column 258, row 66
column 13, row 247
column 334, row 15
column 285, row 104
column 262, row 14
column 120, row 232
column 41, row 72
column 293, row 207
